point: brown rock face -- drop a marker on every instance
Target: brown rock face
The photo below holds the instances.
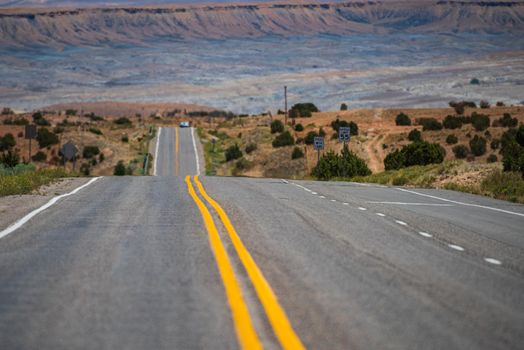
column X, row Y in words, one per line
column 95, row 26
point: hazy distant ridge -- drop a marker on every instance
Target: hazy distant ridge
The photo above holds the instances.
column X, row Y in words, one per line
column 93, row 26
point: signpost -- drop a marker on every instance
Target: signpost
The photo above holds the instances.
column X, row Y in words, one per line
column 318, row 142
column 69, row 152
column 30, row 133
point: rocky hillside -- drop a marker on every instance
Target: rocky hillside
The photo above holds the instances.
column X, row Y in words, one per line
column 98, row 26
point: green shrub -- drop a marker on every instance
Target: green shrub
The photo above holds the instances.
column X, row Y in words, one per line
column 430, row 124
column 303, row 110
column 70, row 112
column 506, row 121
column 402, row 119
column 101, row 158
column 17, row 121
column 451, row 139
column 242, row 164
column 125, row 138
column 22, row 182
column 495, row 144
column 95, row 131
column 343, row 107
column 85, row 169
column 122, row 121
column 474, row 81
column 7, row 142
column 90, row 151
column 58, row 129
column 299, row 127
column 276, row 126
column 505, row 185
column 39, row 157
column 233, row 152
column 337, row 124
column 460, row 151
column 120, row 169
column 480, row 121
column 284, row 139
column 9, row 159
column 484, row 104
column 492, row 158
column 415, row 135
column 347, row 164
column 417, row 153
column 297, row 153
column 451, row 122
column 251, row 147
column 477, row 145
column 310, row 137
column 46, row 138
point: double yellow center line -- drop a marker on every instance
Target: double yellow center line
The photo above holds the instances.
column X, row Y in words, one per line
column 246, row 333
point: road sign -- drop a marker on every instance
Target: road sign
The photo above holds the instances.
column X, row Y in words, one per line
column 69, row 150
column 318, row 142
column 30, row 131
column 344, row 134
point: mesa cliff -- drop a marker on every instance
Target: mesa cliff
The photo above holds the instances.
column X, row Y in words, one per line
column 137, row 25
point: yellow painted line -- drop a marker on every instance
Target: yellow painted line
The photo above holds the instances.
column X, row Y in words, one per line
column 245, row 330
column 176, row 151
column 275, row 313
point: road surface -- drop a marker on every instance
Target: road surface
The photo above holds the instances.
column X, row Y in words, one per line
column 153, row 263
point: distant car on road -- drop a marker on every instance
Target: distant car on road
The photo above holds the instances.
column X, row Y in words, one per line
column 184, row 124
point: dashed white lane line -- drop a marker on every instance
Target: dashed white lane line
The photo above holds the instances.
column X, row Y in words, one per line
column 314, row 193
column 285, row 181
column 322, row 196
column 345, row 203
column 456, row 247
column 425, row 234
column 493, row 261
column 380, row 214
column 362, row 208
column 415, row 204
column 333, row 200
column 401, row 223
column 53, row 200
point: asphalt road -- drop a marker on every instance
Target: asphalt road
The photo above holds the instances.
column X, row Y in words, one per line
column 133, row 263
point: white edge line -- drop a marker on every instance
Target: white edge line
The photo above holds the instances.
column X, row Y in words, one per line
column 462, row 203
column 401, row 223
column 156, row 150
column 53, row 200
column 362, row 208
column 380, row 214
column 196, row 151
column 493, row 261
column 456, row 247
column 425, row 234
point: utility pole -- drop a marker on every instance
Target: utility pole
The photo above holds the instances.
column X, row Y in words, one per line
column 285, row 105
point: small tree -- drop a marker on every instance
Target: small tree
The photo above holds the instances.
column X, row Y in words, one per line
column 299, row 127
column 276, row 126
column 7, row 142
column 395, row 160
column 480, row 121
column 46, row 138
column 484, row 104
column 477, row 145
column 415, row 135
column 430, row 124
column 297, row 153
column 9, row 159
column 460, row 151
column 343, row 107
column 310, row 137
column 233, row 152
column 451, row 122
column 120, row 169
column 402, row 119
column 284, row 139
column 39, row 157
column 451, row 139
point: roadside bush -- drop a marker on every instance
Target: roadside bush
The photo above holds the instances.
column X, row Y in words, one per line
column 233, row 152
column 95, row 131
column 299, row 127
column 310, row 137
column 46, row 138
column 492, row 158
column 276, row 126
column 460, row 151
column 251, row 147
column 451, row 139
column 85, row 169
column 284, row 139
column 477, row 145
column 242, row 164
column 303, row 110
column 513, row 150
column 90, row 151
column 430, row 124
column 480, row 121
column 402, row 119
column 297, row 153
column 120, row 169
column 506, row 121
column 7, row 142
column 9, row 159
column 347, row 164
column 451, row 122
column 417, row 153
column 39, row 157
column 415, row 135
column 123, row 121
